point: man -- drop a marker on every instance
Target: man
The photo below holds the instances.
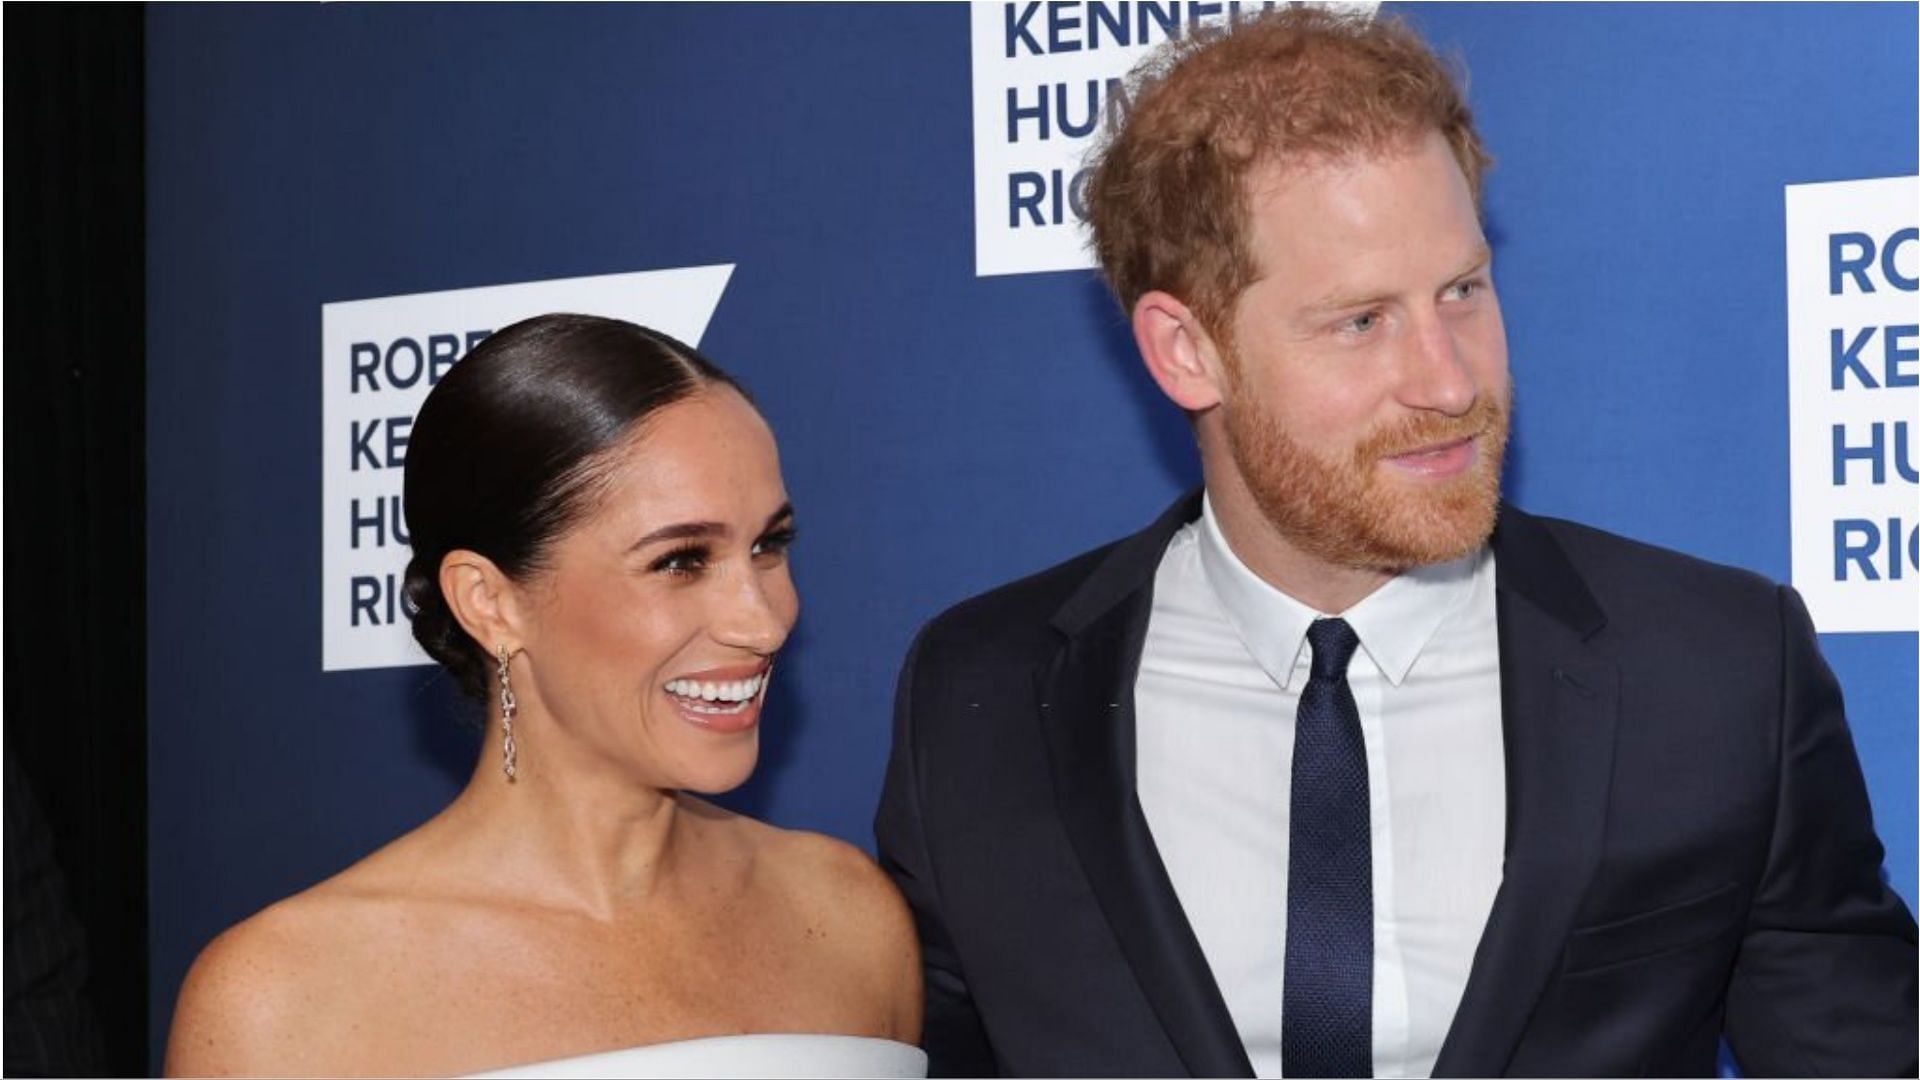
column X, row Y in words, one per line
column 1342, row 767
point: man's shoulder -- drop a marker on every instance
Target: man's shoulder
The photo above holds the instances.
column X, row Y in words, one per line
column 1016, row 617
column 1591, row 547
column 1630, row 577
column 1031, row 612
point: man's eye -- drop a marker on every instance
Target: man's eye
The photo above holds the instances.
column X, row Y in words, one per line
column 1467, row 290
column 1361, row 324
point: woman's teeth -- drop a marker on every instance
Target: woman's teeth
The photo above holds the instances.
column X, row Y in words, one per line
column 733, row 694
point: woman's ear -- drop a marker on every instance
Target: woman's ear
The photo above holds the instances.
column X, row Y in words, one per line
column 1178, row 352
column 486, row 601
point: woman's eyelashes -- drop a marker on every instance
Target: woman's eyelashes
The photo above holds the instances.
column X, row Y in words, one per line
column 684, row 561
column 689, row 560
column 774, row 542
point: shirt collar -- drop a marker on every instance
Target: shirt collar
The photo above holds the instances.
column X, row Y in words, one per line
column 1394, row 623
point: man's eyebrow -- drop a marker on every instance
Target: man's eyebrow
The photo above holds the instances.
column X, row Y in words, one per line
column 1339, row 302
column 1482, row 256
column 700, row 530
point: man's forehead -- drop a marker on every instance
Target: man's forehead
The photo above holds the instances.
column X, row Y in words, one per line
column 1411, row 184
column 1343, row 230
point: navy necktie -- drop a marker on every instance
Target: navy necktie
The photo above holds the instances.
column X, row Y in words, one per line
column 1326, row 1023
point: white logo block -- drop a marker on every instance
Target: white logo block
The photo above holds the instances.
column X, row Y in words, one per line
column 1049, row 78
column 1853, row 360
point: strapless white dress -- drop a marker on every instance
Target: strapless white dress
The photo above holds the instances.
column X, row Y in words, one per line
column 740, row 1055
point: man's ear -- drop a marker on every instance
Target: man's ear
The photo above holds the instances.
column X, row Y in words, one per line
column 484, row 600
column 1178, row 352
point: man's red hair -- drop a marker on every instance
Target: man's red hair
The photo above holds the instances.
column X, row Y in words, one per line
column 1168, row 198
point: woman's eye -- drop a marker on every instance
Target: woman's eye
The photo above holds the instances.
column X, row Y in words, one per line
column 774, row 543
column 683, row 562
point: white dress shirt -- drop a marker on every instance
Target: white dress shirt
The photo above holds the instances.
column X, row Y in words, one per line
column 1220, row 679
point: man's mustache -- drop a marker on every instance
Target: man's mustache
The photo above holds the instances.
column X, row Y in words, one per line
column 1424, row 430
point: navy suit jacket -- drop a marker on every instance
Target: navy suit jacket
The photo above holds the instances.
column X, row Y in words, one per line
column 1689, row 850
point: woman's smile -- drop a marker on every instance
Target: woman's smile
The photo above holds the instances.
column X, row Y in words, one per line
column 724, row 700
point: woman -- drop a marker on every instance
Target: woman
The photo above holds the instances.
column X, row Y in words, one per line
column 600, row 542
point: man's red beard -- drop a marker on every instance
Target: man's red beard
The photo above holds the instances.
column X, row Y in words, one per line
column 1354, row 512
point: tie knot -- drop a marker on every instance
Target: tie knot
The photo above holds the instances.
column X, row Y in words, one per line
column 1333, row 643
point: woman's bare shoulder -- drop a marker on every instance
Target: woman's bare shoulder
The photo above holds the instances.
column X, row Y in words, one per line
column 266, row 995
column 843, row 877
column 850, row 916
column 815, row 870
column 246, row 1002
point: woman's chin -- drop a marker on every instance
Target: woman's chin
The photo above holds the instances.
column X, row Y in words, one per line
column 717, row 772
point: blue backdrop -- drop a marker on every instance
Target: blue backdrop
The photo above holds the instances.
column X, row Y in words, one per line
column 941, row 433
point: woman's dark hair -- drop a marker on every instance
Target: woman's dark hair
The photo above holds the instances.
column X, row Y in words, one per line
column 502, row 458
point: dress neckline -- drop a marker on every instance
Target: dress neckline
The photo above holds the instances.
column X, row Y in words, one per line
column 792, row 1055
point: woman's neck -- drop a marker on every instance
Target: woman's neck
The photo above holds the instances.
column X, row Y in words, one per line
column 579, row 835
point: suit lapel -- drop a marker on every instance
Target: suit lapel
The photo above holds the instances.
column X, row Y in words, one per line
column 1087, row 716
column 1558, row 701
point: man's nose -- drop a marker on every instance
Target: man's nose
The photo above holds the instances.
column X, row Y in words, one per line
column 1435, row 374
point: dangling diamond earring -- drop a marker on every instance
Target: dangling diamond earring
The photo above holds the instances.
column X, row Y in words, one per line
column 507, row 707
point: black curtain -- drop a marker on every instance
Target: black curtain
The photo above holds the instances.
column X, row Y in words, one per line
column 75, row 503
